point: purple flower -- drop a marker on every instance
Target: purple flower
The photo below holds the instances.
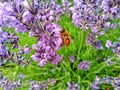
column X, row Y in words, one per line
column 98, row 45
column 38, row 85
column 84, row 65
column 114, row 26
column 26, row 49
column 108, row 44
column 84, row 15
column 113, row 81
column 47, row 45
column 49, row 11
column 96, row 16
column 111, row 7
column 35, row 46
column 35, row 85
column 38, row 19
column 117, row 88
column 6, row 84
column 27, row 17
column 96, row 84
column 12, row 15
column 42, row 62
column 73, row 86
column 114, row 10
column 18, row 2
column 116, row 48
column 4, row 0
column 94, row 29
column 9, row 41
column 71, row 58
column 51, row 81
column 108, row 61
column 66, row 7
column 107, row 80
column 116, row 82
column 90, row 39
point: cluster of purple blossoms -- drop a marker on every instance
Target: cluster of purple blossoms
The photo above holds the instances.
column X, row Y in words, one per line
column 6, row 84
column 48, row 11
column 8, row 43
column 115, row 46
column 48, row 44
column 116, row 83
column 96, row 84
column 66, row 7
column 84, row 13
column 19, row 58
column 111, row 8
column 73, row 86
column 92, row 40
column 108, row 61
column 17, row 83
column 72, row 58
column 38, row 18
column 4, row 52
column 113, row 81
column 24, row 16
column 38, row 86
column 51, row 81
column 12, row 16
column 42, row 85
column 85, row 65
column 95, row 15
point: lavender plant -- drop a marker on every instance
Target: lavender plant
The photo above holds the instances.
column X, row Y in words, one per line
column 6, row 84
column 85, row 65
column 43, row 19
column 96, row 16
column 113, row 81
column 38, row 18
column 8, row 44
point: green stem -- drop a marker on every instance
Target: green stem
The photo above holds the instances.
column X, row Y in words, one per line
column 61, row 77
column 79, row 79
column 86, row 82
column 69, row 69
column 40, row 23
column 80, row 45
column 100, row 68
column 54, row 88
column 32, row 66
column 30, row 4
column 96, row 71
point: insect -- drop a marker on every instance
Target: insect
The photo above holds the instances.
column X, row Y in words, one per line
column 65, row 37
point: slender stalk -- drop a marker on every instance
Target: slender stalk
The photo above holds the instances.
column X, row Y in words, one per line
column 80, row 45
column 32, row 66
column 70, row 69
column 61, row 77
column 85, row 81
column 30, row 4
column 87, row 51
column 79, row 79
column 40, row 23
